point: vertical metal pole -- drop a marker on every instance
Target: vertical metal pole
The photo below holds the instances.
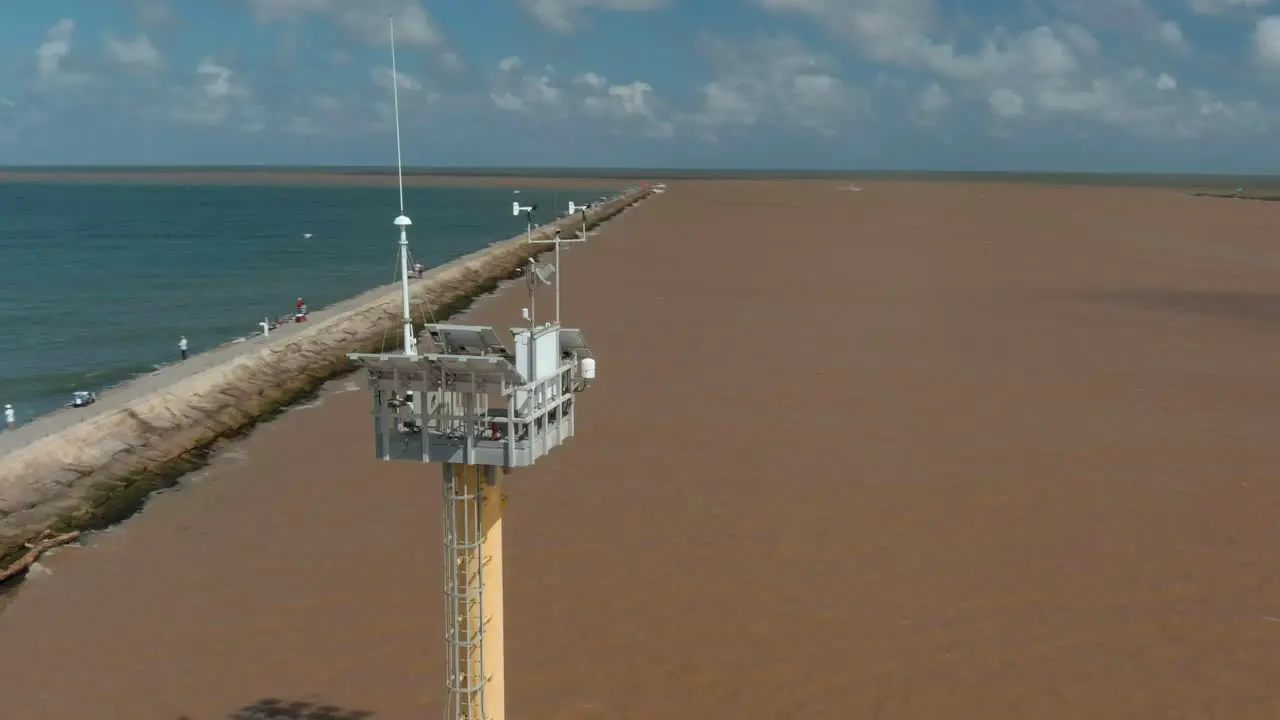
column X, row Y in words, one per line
column 473, row 504
column 559, row 277
column 532, row 271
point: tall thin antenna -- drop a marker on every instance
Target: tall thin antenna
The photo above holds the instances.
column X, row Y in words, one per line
column 402, row 221
column 395, row 100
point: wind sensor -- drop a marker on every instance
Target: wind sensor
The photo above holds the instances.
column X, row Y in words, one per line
column 479, row 410
column 582, row 236
column 517, row 208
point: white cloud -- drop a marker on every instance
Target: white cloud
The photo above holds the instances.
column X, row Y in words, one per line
column 11, row 125
column 52, row 54
column 591, row 80
column 366, row 22
column 414, row 93
column 327, row 103
column 55, row 48
column 624, row 108
column 404, row 81
column 1006, row 103
column 632, row 107
column 1054, row 71
column 1042, row 52
column 220, row 81
column 1111, row 14
column 1148, row 106
column 507, row 102
column 1218, row 7
column 566, row 16
column 319, row 115
column 897, row 32
column 884, row 30
column 1134, row 19
column 933, row 100
column 532, row 92
column 621, row 101
column 452, row 61
column 1171, row 35
column 1266, row 42
column 778, row 81
column 153, row 13
column 137, row 54
column 219, row 96
column 1062, row 70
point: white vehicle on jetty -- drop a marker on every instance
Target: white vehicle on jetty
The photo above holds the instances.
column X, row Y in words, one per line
column 82, row 398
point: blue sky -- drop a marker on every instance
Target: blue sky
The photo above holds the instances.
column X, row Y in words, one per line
column 1160, row 85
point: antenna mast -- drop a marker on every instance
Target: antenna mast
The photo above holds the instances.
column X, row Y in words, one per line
column 402, row 221
column 582, row 236
column 478, row 410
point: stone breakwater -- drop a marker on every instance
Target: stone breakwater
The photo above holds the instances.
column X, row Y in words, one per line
column 97, row 472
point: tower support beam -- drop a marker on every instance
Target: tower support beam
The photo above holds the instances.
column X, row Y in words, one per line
column 473, row 507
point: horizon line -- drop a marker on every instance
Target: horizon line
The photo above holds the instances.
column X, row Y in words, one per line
column 608, row 171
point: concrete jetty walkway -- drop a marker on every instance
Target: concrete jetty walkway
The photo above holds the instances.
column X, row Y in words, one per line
column 120, row 396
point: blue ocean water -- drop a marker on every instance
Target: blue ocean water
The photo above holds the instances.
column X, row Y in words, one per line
column 98, row 281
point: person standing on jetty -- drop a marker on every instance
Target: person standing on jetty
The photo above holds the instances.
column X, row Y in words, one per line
column 182, row 346
column 10, row 418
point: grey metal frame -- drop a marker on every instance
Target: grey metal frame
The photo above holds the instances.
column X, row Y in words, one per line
column 462, row 409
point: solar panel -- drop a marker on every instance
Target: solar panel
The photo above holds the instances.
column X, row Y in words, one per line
column 538, row 331
column 466, row 338
column 571, row 340
column 487, row 368
column 397, row 362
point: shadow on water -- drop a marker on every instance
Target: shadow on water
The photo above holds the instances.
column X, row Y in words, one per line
column 1257, row 307
column 277, row 709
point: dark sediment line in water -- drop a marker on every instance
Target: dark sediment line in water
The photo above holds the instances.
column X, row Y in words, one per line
column 1234, row 196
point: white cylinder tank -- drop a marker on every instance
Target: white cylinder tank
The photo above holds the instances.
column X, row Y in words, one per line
column 588, row 368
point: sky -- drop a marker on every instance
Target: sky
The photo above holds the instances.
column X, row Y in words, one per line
column 1068, row 85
